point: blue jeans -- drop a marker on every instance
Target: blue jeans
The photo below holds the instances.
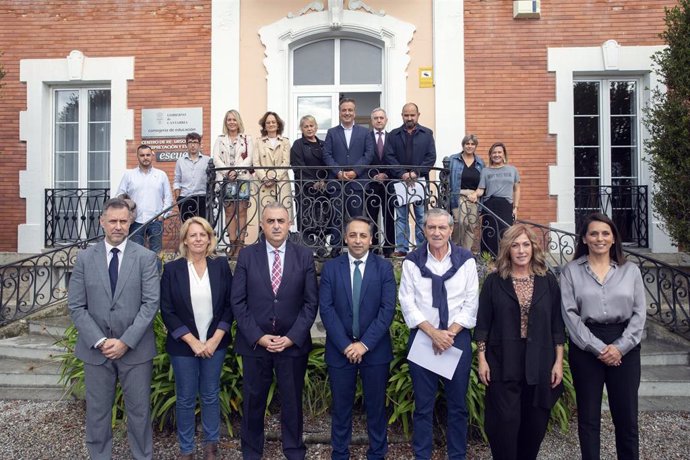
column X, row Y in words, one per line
column 402, row 226
column 153, row 232
column 197, row 376
column 425, row 385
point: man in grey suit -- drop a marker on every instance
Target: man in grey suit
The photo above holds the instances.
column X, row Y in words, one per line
column 114, row 294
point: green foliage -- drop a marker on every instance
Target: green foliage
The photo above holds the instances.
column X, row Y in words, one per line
column 2, row 71
column 668, row 121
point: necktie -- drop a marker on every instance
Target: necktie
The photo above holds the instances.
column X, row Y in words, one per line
column 275, row 272
column 112, row 269
column 356, row 288
column 379, row 144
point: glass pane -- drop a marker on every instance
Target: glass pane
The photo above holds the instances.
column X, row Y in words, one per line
column 586, row 162
column 586, row 130
column 66, row 137
column 623, row 98
column 99, row 105
column 622, row 131
column 360, row 63
column 313, row 64
column 66, row 169
column 99, row 137
column 98, row 166
column 586, row 97
column 366, row 102
column 66, row 106
column 317, row 106
column 623, row 160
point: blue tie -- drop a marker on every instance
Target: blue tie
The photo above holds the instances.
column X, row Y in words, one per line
column 356, row 288
column 112, row 269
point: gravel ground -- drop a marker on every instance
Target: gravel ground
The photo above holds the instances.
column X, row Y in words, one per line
column 55, row 430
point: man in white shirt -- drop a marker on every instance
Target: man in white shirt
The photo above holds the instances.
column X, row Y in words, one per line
column 439, row 297
column 149, row 188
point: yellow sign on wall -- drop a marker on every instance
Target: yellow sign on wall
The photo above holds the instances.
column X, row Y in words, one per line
column 426, row 77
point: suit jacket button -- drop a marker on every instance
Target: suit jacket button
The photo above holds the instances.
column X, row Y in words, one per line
column 275, row 300
column 112, row 308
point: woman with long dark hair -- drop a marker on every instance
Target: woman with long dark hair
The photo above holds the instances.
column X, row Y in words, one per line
column 603, row 304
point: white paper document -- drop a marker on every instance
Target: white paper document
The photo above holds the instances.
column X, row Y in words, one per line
column 409, row 193
column 422, row 353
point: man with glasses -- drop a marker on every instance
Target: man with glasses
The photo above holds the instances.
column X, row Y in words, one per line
column 189, row 184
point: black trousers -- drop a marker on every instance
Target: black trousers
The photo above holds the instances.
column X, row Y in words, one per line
column 379, row 199
column 194, row 206
column 514, row 425
column 492, row 228
column 257, row 379
column 622, row 384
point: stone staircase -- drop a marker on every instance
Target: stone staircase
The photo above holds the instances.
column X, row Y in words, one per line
column 28, row 365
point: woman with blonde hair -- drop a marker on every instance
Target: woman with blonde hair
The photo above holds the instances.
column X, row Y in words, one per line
column 196, row 310
column 520, row 336
column 233, row 150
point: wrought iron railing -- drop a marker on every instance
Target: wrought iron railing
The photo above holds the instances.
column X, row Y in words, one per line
column 319, row 205
column 627, row 206
column 71, row 214
column 33, row 283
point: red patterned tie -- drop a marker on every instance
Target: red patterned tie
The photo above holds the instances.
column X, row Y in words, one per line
column 275, row 272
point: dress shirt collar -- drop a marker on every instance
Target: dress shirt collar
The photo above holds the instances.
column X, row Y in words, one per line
column 352, row 259
column 445, row 256
column 270, row 248
column 347, row 129
column 120, row 246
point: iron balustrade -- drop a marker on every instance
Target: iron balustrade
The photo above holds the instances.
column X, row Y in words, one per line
column 33, row 283
column 627, row 206
column 71, row 214
column 319, row 205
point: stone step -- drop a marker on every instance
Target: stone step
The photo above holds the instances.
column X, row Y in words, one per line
column 29, row 373
column 664, row 403
column 53, row 326
column 35, row 393
column 665, row 381
column 658, row 352
column 32, row 346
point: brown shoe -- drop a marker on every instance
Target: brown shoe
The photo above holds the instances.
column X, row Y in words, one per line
column 399, row 254
column 211, row 451
column 186, row 457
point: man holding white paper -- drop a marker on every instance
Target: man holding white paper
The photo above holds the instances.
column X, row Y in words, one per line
column 439, row 297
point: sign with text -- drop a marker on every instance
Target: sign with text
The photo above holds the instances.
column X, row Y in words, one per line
column 171, row 122
column 168, row 149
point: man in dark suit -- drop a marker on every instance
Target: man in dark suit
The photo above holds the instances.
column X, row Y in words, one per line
column 357, row 302
column 412, row 149
column 348, row 151
column 114, row 294
column 380, row 196
column 274, row 300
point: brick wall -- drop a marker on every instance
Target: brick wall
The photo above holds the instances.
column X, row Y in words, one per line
column 508, row 87
column 171, row 43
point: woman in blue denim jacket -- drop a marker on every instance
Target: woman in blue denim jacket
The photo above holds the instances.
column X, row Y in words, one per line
column 465, row 170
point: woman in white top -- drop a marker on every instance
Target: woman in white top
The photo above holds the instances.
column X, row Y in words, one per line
column 233, row 149
column 272, row 149
column 196, row 310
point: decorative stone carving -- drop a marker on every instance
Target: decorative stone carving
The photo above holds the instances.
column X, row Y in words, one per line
column 355, row 5
column 75, row 65
column 312, row 6
column 335, row 13
column 610, row 50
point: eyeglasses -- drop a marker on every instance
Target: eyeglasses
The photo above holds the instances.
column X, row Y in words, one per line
column 192, row 142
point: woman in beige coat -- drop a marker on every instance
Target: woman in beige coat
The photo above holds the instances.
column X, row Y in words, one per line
column 272, row 149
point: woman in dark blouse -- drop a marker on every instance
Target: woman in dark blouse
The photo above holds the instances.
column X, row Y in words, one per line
column 520, row 336
column 603, row 302
column 313, row 204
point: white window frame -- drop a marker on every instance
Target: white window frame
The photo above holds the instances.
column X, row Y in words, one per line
column 35, row 127
column 613, row 60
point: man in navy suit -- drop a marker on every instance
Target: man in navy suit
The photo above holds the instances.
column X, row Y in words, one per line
column 357, row 301
column 274, row 300
column 380, row 196
column 348, row 151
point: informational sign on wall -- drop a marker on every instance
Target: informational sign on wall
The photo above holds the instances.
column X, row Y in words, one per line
column 164, row 130
column 171, row 122
column 426, row 77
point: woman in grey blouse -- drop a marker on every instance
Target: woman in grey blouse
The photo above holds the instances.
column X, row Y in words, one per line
column 499, row 184
column 603, row 305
